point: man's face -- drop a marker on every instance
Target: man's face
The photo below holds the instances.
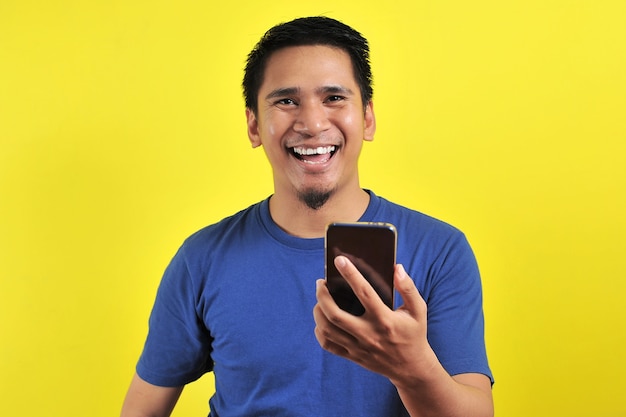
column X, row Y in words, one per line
column 311, row 122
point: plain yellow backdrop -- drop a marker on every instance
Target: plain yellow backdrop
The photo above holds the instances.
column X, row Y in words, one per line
column 122, row 131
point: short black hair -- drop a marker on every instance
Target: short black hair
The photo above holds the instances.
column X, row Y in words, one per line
column 317, row 30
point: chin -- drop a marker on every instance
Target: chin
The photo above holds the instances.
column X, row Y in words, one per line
column 314, row 198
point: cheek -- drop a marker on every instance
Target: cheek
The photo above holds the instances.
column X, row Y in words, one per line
column 352, row 126
column 273, row 126
column 350, row 119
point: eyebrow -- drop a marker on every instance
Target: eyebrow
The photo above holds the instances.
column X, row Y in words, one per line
column 281, row 92
column 327, row 89
column 336, row 89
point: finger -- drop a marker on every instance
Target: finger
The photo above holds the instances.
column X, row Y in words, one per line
column 328, row 336
column 413, row 301
column 329, row 345
column 329, row 311
column 328, row 330
column 324, row 299
column 321, row 290
column 362, row 289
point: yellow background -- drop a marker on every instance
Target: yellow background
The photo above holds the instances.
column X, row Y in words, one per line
column 122, row 131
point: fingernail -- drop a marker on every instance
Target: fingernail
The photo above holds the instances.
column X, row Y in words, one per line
column 340, row 261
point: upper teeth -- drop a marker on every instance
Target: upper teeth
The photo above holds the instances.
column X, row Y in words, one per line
column 313, row 151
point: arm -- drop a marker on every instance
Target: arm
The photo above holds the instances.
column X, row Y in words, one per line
column 394, row 344
column 146, row 400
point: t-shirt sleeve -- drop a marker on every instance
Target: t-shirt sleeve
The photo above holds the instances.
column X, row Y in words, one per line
column 455, row 313
column 178, row 346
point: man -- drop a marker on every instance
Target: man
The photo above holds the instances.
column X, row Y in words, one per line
column 238, row 297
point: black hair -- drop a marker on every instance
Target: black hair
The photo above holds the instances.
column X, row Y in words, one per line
column 318, row 30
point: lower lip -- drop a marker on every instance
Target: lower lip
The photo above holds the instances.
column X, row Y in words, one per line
column 317, row 164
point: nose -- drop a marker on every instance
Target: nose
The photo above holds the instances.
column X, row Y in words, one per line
column 311, row 119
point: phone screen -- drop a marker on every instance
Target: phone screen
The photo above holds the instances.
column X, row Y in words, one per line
column 372, row 249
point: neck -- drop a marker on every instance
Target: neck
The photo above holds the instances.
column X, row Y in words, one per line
column 297, row 219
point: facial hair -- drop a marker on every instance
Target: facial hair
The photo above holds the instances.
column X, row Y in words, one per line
column 314, row 199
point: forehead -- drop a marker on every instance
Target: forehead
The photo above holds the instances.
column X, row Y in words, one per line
column 299, row 66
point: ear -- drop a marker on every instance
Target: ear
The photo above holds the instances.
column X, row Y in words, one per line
column 253, row 128
column 369, row 122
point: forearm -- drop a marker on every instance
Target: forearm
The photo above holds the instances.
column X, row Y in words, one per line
column 147, row 400
column 439, row 395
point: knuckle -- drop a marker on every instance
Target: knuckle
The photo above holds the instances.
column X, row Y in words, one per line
column 324, row 332
column 326, row 344
column 386, row 327
column 335, row 319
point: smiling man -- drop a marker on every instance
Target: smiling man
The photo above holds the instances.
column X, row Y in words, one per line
column 242, row 298
column 311, row 121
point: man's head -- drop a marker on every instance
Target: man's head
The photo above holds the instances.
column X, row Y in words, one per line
column 308, row 31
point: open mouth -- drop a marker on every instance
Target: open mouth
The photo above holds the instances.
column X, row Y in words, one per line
column 318, row 155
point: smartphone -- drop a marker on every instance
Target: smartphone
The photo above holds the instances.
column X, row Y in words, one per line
column 371, row 246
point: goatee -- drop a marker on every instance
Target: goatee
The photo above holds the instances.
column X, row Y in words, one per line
column 314, row 199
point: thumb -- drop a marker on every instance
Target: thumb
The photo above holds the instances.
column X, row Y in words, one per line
column 413, row 301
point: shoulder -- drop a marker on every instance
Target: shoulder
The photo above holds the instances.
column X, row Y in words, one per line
column 413, row 221
column 196, row 256
column 242, row 222
column 424, row 240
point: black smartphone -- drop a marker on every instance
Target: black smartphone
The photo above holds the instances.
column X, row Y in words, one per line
column 371, row 246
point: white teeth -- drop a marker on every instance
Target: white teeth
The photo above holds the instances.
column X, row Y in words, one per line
column 321, row 150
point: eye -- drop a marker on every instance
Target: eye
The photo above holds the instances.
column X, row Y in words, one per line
column 335, row 98
column 285, row 102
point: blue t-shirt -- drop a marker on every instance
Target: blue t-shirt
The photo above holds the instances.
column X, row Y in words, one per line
column 237, row 299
